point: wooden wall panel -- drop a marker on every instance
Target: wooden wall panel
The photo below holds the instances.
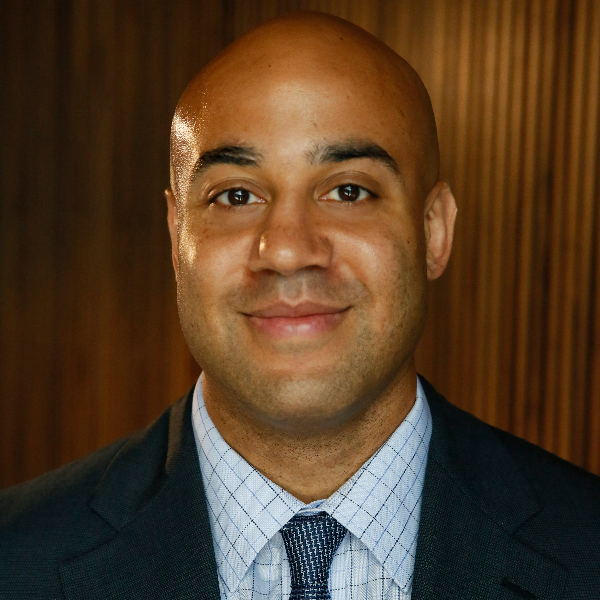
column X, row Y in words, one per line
column 91, row 347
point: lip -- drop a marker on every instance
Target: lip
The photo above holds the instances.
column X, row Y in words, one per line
column 303, row 309
column 304, row 320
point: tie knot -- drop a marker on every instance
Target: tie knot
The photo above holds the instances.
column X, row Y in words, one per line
column 310, row 543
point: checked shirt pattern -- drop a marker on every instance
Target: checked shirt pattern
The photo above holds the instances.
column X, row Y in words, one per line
column 379, row 505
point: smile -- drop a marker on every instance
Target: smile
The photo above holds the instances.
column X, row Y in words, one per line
column 305, row 320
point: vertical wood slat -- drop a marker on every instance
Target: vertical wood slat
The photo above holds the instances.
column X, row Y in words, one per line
column 562, row 258
column 580, row 248
column 504, row 197
column 533, row 301
column 91, row 342
column 526, row 399
column 592, row 191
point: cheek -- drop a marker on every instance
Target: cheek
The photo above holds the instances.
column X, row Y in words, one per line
column 211, row 266
column 188, row 245
column 402, row 299
column 389, row 260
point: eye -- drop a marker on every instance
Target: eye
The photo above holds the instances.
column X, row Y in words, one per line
column 348, row 192
column 236, row 197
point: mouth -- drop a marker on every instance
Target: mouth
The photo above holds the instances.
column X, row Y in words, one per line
column 304, row 320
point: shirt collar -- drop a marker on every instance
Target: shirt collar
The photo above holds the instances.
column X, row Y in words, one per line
column 380, row 504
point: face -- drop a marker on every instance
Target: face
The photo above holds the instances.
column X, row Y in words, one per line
column 299, row 244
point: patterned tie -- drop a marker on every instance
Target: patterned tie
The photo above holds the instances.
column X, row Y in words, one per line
column 310, row 543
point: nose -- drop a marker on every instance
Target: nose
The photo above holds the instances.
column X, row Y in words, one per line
column 291, row 238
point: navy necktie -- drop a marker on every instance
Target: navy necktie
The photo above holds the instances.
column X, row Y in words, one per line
column 310, row 543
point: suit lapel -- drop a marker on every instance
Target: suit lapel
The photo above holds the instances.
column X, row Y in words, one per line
column 474, row 501
column 152, row 495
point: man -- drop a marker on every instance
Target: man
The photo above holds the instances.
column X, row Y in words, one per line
column 309, row 461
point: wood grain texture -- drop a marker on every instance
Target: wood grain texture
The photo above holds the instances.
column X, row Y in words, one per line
column 91, row 345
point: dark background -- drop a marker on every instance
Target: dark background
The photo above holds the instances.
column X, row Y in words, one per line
column 90, row 342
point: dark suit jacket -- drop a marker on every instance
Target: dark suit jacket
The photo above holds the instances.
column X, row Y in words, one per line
column 501, row 519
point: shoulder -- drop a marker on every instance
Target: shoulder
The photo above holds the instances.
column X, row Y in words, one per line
column 549, row 474
column 568, row 524
column 540, row 500
column 56, row 491
column 50, row 519
column 47, row 519
column 554, row 480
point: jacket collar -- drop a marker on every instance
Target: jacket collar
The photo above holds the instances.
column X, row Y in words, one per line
column 474, row 501
column 152, row 497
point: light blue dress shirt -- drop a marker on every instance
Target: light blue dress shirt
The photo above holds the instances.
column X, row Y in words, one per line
column 379, row 505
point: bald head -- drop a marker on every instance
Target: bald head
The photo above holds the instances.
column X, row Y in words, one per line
column 297, row 58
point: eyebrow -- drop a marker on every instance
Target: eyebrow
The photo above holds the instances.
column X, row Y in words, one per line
column 322, row 154
column 337, row 152
column 244, row 156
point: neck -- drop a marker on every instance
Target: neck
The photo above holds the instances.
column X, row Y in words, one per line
column 312, row 466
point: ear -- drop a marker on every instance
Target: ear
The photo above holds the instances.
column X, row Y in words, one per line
column 172, row 221
column 440, row 215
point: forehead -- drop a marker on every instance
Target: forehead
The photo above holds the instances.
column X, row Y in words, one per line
column 266, row 105
column 286, row 105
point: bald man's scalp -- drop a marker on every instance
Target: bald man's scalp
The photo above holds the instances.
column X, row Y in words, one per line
column 304, row 45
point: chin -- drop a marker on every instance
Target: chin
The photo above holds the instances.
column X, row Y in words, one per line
column 308, row 402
